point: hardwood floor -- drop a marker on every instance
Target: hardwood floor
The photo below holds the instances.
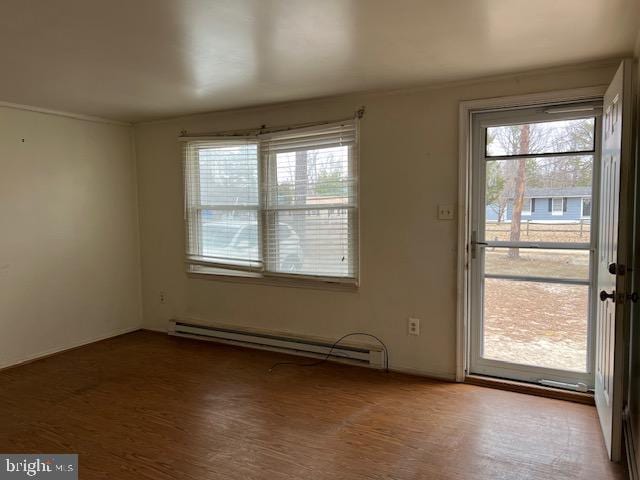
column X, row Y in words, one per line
column 148, row 406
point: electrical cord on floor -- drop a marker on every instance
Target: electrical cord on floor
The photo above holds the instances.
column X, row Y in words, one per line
column 335, row 344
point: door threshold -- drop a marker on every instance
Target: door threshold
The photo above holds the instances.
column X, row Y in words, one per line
column 530, row 389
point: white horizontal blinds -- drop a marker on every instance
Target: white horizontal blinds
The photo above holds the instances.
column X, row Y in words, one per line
column 222, row 203
column 311, row 201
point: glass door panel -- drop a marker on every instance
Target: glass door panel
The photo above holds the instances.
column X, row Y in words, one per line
column 560, row 136
column 536, row 323
column 564, row 264
column 551, row 191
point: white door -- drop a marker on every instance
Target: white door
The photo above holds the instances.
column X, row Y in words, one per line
column 533, row 243
column 612, row 254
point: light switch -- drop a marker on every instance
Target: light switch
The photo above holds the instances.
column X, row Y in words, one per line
column 445, row 212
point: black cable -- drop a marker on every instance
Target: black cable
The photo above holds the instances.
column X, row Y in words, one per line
column 326, row 357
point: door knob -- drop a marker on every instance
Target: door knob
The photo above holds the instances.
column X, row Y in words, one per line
column 616, row 269
column 604, row 295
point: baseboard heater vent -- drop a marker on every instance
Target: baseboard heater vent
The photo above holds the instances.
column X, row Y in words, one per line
column 372, row 356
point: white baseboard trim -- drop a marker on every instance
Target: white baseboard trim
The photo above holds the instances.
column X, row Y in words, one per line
column 70, row 346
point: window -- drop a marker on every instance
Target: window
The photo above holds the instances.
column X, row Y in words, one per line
column 278, row 204
column 586, row 207
column 557, row 206
column 527, row 206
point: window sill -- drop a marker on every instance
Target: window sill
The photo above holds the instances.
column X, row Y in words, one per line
column 253, row 278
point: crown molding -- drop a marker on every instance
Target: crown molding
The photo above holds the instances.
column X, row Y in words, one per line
column 59, row 113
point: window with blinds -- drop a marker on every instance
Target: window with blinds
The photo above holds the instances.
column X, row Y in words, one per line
column 278, row 204
column 222, row 203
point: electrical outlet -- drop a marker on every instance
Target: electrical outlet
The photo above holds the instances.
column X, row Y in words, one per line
column 163, row 297
column 414, row 326
column 445, row 212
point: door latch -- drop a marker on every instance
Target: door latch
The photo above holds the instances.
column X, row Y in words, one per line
column 620, row 298
column 604, row 296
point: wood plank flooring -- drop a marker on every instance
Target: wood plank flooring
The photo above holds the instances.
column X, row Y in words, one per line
column 148, row 406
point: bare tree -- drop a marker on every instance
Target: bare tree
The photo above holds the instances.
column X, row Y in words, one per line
column 518, row 190
column 513, row 140
column 537, row 172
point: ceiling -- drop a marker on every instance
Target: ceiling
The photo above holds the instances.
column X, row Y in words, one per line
column 137, row 60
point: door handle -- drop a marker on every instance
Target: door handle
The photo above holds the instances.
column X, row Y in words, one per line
column 474, row 247
column 604, row 295
column 617, row 269
column 475, row 243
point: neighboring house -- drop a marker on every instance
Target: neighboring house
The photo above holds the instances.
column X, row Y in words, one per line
column 547, row 205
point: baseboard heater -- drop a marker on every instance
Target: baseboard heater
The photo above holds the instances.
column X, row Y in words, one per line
column 372, row 356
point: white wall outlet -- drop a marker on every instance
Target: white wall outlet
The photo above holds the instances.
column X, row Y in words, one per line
column 163, row 297
column 414, row 326
column 446, row 212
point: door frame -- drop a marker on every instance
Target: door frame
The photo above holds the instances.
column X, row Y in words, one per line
column 465, row 170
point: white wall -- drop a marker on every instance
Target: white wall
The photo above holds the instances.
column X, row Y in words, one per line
column 69, row 256
column 409, row 162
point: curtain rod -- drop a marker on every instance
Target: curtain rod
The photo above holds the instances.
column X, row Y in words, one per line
column 263, row 129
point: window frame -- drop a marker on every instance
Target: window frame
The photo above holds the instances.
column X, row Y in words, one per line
column 194, row 208
column 263, row 275
column 271, row 209
column 554, row 212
